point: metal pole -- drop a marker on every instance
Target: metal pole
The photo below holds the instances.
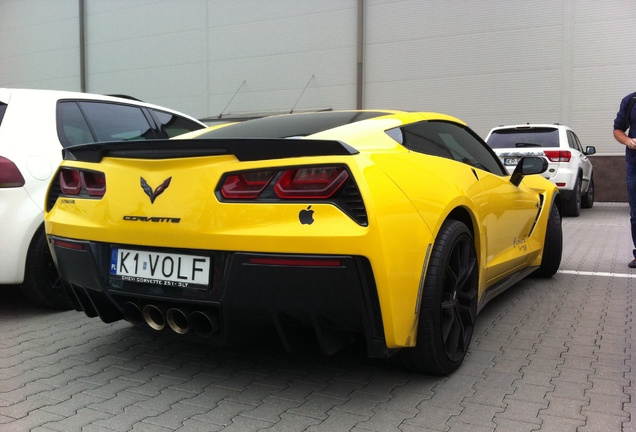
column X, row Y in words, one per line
column 360, row 57
column 82, row 43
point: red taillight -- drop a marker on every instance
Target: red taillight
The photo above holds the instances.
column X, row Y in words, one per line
column 68, row 244
column 315, row 182
column 72, row 181
column 296, row 262
column 247, row 185
column 95, row 183
column 10, row 175
column 297, row 183
column 558, row 155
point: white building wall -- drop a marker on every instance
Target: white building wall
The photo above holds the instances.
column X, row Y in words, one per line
column 488, row 62
column 39, row 44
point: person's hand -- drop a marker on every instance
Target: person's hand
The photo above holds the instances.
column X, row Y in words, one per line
column 631, row 143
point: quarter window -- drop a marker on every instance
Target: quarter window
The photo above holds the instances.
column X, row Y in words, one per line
column 448, row 140
column 172, row 125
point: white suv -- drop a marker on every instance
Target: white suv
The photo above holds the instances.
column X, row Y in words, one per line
column 34, row 126
column 569, row 168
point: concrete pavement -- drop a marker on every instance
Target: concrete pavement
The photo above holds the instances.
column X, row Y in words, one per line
column 548, row 355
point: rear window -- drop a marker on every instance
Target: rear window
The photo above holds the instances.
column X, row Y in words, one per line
column 286, row 126
column 108, row 122
column 520, row 138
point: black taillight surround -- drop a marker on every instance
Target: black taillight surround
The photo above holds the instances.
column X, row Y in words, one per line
column 346, row 195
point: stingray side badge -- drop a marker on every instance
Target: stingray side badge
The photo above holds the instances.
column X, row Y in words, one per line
column 158, row 191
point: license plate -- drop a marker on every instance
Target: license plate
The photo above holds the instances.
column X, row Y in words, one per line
column 158, row 268
column 511, row 161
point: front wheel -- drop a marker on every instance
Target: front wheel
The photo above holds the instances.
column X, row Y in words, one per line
column 448, row 306
column 552, row 246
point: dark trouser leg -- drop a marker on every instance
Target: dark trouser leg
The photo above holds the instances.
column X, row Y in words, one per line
column 631, row 192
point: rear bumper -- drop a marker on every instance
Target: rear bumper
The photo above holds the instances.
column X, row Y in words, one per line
column 334, row 297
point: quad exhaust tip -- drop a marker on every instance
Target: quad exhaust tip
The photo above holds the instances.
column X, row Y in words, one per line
column 203, row 323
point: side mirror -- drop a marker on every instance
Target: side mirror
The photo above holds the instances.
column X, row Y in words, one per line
column 527, row 166
column 590, row 150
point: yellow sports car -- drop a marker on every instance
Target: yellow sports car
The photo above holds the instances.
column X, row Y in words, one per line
column 391, row 227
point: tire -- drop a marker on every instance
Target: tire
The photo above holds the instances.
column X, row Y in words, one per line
column 572, row 206
column 588, row 197
column 552, row 246
column 42, row 284
column 448, row 306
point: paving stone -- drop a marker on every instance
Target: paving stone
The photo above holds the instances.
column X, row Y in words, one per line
column 564, row 407
column 131, row 415
column 117, row 404
column 164, row 400
column 571, row 390
column 77, row 421
column 528, row 392
column 34, row 420
column 433, row 417
column 607, row 404
column 596, row 421
column 477, row 414
column 403, row 402
column 173, row 416
column 223, row 413
column 338, row 420
column 507, row 425
column 522, row 411
column 292, row 423
column 317, row 406
column 210, row 397
column 362, row 404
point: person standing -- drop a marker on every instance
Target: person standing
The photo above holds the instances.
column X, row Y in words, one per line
column 625, row 118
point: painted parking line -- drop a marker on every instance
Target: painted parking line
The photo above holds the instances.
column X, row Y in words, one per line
column 605, row 274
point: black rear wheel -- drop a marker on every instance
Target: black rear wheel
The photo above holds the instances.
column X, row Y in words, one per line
column 42, row 284
column 572, row 206
column 588, row 197
column 448, row 306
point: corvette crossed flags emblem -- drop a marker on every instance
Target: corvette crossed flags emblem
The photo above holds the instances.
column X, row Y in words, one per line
column 158, row 191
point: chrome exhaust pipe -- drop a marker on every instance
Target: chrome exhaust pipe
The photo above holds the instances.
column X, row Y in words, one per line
column 177, row 320
column 154, row 317
column 132, row 313
column 204, row 323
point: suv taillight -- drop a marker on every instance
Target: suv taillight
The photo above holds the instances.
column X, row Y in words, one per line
column 10, row 175
column 558, row 155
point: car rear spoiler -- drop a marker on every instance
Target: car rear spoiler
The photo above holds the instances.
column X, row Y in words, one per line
column 245, row 149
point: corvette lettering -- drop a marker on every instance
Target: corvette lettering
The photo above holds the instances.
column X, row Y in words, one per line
column 152, row 219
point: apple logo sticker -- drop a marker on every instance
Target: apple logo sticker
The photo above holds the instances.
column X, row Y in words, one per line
column 306, row 217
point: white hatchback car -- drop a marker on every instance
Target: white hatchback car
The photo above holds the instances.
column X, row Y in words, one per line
column 34, row 126
column 569, row 167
